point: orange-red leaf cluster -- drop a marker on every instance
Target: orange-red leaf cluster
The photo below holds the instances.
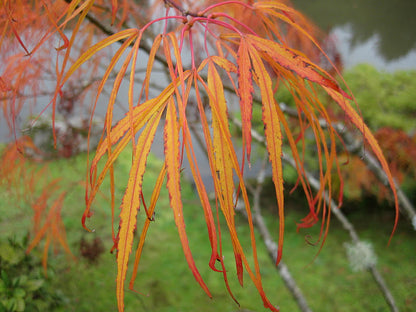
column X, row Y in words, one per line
column 23, row 179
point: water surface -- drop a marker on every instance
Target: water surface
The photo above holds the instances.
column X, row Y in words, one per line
column 379, row 32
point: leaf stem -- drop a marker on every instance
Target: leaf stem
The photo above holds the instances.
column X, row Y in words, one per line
column 214, row 15
column 179, row 8
column 191, row 47
column 201, row 13
column 219, row 23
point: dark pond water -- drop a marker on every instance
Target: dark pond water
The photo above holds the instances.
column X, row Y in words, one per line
column 379, row 32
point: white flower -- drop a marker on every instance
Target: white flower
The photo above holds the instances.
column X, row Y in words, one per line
column 360, row 255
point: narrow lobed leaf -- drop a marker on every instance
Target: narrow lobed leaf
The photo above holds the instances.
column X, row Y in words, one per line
column 172, row 156
column 357, row 120
column 245, row 92
column 273, row 136
column 131, row 204
column 295, row 62
column 223, row 164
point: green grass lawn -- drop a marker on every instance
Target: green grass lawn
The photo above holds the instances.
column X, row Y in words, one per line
column 166, row 284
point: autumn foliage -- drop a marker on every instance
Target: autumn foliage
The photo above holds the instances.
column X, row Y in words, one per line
column 400, row 151
column 213, row 53
column 23, row 178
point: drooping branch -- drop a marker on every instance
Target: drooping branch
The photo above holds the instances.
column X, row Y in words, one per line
column 270, row 244
column 249, row 60
column 353, row 234
column 109, row 32
column 314, row 183
column 260, row 225
column 357, row 148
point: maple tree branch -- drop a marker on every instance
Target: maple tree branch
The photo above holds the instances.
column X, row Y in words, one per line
column 145, row 47
column 270, row 244
column 259, row 223
column 358, row 148
column 314, row 183
column 109, row 32
column 184, row 12
column 353, row 234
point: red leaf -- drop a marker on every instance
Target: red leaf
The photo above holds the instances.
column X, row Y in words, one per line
column 295, row 62
column 357, row 120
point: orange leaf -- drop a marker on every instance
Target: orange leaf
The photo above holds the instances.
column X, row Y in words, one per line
column 255, row 276
column 114, row 7
column 149, row 68
column 223, row 164
column 357, row 120
column 153, row 200
column 131, row 204
column 210, row 155
column 295, row 62
column 273, row 5
column 245, row 92
column 52, row 229
column 172, row 156
column 203, row 196
column 12, row 21
column 61, row 33
column 4, row 86
column 273, row 136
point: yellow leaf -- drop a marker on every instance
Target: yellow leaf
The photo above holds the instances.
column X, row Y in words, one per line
column 224, row 63
column 245, row 92
column 141, row 115
column 149, row 68
column 255, row 276
column 99, row 46
column 131, row 204
column 172, row 156
column 153, row 200
column 223, row 163
column 273, row 136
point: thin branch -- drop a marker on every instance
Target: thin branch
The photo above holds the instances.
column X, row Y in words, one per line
column 353, row 234
column 357, row 148
column 259, row 223
column 176, row 6
column 270, row 244
column 109, row 32
column 314, row 183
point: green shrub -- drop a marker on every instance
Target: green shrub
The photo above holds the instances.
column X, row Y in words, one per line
column 385, row 99
column 23, row 284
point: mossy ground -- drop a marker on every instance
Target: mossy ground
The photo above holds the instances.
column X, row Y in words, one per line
column 166, row 283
